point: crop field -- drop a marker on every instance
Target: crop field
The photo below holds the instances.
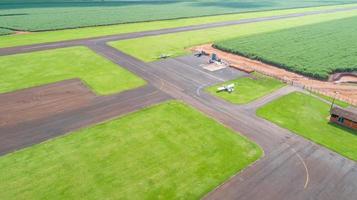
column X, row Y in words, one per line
column 150, row 48
column 33, row 69
column 39, row 15
column 314, row 50
column 309, row 117
column 169, row 151
column 5, row 31
column 247, row 89
column 70, row 34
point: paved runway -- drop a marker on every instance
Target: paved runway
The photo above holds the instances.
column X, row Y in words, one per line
column 292, row 167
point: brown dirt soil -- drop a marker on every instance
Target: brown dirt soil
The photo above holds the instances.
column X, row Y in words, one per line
column 348, row 79
column 343, row 92
column 39, row 102
column 21, row 32
column 344, row 77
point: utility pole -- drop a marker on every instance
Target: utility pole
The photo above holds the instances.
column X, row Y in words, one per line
column 333, row 101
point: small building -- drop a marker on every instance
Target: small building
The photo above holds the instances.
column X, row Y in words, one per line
column 344, row 116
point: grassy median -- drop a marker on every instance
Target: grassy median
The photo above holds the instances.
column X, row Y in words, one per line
column 247, row 89
column 309, row 117
column 168, row 151
column 34, row 69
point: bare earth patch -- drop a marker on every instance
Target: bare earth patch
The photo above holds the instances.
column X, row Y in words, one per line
column 21, row 32
column 348, row 79
column 343, row 92
column 43, row 101
column 344, row 77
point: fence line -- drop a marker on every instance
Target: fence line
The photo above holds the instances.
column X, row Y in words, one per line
column 311, row 89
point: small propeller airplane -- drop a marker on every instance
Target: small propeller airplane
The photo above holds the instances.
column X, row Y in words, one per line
column 201, row 53
column 163, row 56
column 229, row 88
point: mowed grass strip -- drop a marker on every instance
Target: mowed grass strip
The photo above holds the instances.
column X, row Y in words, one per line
column 314, row 50
column 70, row 34
column 247, row 89
column 309, row 117
column 34, row 69
column 150, row 48
column 168, row 151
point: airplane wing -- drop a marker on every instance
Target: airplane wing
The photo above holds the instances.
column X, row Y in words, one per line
column 230, row 85
column 221, row 88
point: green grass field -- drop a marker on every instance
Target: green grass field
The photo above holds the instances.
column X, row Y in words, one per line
column 247, row 89
column 70, row 34
column 33, row 69
column 314, row 50
column 168, row 151
column 150, row 48
column 330, row 99
column 309, row 117
column 42, row 15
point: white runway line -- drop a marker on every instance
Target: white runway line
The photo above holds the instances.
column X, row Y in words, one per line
column 305, row 166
